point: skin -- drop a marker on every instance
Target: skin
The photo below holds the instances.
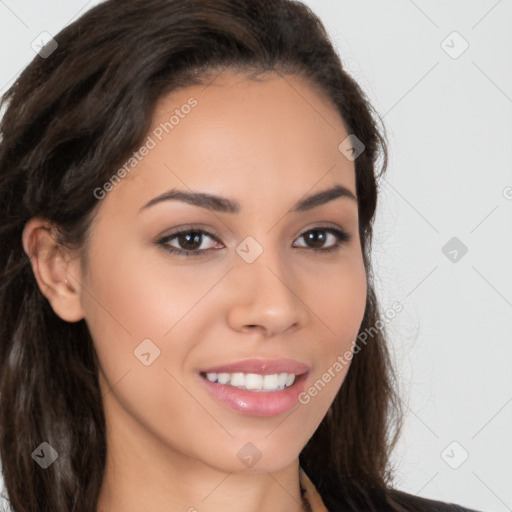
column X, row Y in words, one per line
column 171, row 445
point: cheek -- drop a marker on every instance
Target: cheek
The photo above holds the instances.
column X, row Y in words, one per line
column 341, row 300
column 132, row 298
column 136, row 313
column 341, row 306
column 131, row 295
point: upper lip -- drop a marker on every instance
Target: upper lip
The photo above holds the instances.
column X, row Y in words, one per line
column 260, row 366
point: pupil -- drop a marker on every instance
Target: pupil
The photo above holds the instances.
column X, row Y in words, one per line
column 317, row 238
column 192, row 238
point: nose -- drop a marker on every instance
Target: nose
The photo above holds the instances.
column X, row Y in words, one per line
column 266, row 297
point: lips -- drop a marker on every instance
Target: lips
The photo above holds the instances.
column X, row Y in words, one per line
column 256, row 403
column 260, row 366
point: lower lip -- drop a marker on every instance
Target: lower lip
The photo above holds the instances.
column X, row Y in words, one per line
column 257, row 403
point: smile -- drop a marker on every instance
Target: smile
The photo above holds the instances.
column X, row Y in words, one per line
column 253, row 381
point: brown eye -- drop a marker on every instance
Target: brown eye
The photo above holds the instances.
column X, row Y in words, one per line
column 187, row 242
column 190, row 242
column 317, row 238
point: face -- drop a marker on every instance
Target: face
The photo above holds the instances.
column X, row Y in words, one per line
column 271, row 283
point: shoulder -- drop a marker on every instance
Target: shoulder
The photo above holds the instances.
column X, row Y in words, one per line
column 357, row 498
column 412, row 502
column 350, row 495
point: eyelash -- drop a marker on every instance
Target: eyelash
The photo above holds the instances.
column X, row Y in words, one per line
column 341, row 238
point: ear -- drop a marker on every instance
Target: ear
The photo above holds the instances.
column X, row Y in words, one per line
column 57, row 273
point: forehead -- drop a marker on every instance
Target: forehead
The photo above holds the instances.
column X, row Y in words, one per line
column 273, row 104
column 273, row 139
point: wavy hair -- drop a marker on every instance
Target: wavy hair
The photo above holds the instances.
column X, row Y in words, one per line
column 74, row 117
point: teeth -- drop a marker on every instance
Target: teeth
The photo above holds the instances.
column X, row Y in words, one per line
column 281, row 380
column 254, row 381
column 270, row 381
column 222, row 378
column 237, row 379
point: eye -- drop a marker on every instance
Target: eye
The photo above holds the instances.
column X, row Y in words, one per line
column 319, row 236
column 189, row 242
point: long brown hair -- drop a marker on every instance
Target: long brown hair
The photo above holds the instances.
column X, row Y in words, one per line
column 73, row 118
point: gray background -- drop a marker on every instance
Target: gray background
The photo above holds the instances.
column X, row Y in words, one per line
column 449, row 123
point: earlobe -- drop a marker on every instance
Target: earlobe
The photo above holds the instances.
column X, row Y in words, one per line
column 56, row 272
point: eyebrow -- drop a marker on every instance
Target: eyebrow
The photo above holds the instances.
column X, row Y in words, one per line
column 225, row 205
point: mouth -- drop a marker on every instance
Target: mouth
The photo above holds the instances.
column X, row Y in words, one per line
column 252, row 381
column 263, row 389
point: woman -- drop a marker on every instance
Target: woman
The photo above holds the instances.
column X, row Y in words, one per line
column 187, row 192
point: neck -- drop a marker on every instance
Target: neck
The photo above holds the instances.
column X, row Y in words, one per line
column 135, row 482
